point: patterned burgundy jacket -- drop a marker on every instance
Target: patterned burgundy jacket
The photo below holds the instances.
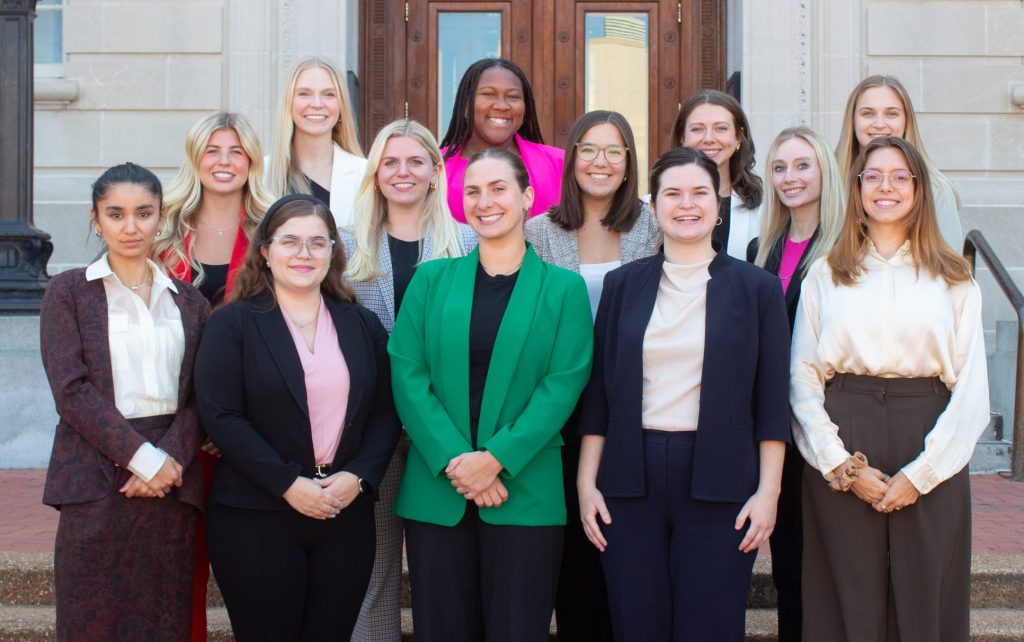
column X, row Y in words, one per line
column 93, row 439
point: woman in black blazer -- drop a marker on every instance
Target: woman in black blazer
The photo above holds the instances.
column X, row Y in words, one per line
column 684, row 422
column 295, row 390
column 802, row 215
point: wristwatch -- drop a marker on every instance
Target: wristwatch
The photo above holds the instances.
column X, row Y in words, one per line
column 363, row 486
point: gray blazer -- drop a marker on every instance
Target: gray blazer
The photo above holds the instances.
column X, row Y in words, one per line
column 378, row 295
column 559, row 247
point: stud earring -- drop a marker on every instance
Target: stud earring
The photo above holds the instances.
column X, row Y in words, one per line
column 433, row 186
column 97, row 233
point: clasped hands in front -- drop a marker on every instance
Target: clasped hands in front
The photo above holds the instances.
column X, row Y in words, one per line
column 323, row 498
column 168, row 477
column 885, row 494
column 475, row 476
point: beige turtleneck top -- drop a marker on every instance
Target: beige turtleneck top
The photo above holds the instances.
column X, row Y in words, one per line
column 674, row 348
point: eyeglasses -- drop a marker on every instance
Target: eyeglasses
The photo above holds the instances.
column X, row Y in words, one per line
column 317, row 246
column 899, row 178
column 614, row 154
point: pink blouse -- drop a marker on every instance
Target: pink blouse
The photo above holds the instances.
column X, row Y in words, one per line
column 792, row 252
column 327, row 383
column 543, row 165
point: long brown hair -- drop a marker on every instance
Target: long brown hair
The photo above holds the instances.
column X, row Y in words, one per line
column 745, row 182
column 625, row 207
column 927, row 247
column 255, row 278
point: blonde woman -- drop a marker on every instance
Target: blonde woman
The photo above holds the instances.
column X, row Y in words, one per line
column 800, row 223
column 316, row 150
column 880, row 106
column 213, row 206
column 402, row 219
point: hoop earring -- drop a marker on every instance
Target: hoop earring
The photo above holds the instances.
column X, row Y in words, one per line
column 719, row 221
column 433, row 186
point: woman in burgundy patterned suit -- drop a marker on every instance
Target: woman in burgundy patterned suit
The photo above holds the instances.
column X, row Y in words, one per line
column 118, row 343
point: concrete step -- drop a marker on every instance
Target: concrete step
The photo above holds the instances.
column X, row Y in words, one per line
column 26, row 579
column 36, row 624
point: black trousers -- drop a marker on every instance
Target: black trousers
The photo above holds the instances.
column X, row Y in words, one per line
column 581, row 604
column 475, row 581
column 285, row 576
column 787, row 543
column 673, row 565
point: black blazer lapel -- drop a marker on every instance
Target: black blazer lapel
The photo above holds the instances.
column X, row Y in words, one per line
column 637, row 308
column 271, row 324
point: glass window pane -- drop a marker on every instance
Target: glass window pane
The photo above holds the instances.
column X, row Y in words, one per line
column 617, row 60
column 47, row 37
column 462, row 39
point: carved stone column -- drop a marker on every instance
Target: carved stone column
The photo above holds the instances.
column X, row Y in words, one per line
column 24, row 250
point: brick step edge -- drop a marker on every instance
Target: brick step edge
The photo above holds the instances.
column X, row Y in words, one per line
column 36, row 624
column 26, row 579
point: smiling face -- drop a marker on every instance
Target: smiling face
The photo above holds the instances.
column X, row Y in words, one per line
column 879, row 112
column 315, row 102
column 598, row 178
column 796, row 175
column 302, row 272
column 495, row 206
column 711, row 129
column 686, row 205
column 499, row 108
column 224, row 165
column 406, row 172
column 886, row 203
column 128, row 217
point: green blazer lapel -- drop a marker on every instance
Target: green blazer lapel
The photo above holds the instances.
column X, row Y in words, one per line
column 454, row 327
column 508, row 346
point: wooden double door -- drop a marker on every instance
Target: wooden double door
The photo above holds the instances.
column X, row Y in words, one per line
column 639, row 58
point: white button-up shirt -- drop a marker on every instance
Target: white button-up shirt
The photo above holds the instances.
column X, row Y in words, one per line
column 893, row 322
column 147, row 345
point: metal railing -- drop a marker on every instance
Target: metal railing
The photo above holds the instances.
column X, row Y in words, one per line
column 975, row 244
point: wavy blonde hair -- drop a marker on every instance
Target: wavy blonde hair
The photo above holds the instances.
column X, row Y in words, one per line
column 185, row 192
column 283, row 173
column 776, row 217
column 372, row 208
column 849, row 147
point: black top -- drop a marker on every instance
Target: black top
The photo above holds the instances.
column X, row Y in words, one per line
column 404, row 257
column 490, row 298
column 215, row 277
column 721, row 232
column 320, row 192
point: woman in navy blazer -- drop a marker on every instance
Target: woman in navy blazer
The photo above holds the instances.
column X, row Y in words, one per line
column 684, row 421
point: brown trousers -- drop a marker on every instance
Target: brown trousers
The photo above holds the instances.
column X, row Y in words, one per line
column 896, row 577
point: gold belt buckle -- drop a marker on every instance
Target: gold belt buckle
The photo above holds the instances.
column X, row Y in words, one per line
column 320, row 471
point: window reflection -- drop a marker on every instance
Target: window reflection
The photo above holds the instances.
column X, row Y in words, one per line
column 616, row 68
column 462, row 39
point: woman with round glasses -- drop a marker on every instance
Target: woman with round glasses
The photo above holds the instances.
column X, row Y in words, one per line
column 598, row 225
column 494, row 109
column 880, row 106
column 890, row 393
column 294, row 387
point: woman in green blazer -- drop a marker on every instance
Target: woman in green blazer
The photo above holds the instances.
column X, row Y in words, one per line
column 489, row 355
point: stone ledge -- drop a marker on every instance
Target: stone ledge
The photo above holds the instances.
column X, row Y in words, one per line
column 54, row 93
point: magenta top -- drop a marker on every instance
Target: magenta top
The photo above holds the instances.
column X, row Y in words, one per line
column 543, row 165
column 792, row 252
column 327, row 382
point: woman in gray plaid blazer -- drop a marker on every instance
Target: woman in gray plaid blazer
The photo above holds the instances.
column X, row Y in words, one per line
column 401, row 220
column 598, row 226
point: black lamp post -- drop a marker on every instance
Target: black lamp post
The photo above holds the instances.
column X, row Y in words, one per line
column 24, row 250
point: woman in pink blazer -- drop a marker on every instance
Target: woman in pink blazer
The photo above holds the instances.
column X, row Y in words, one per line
column 494, row 109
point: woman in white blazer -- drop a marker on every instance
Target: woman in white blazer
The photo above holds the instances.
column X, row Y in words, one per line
column 315, row 149
column 714, row 123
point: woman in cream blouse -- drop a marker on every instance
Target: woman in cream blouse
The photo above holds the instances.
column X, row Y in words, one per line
column 890, row 393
